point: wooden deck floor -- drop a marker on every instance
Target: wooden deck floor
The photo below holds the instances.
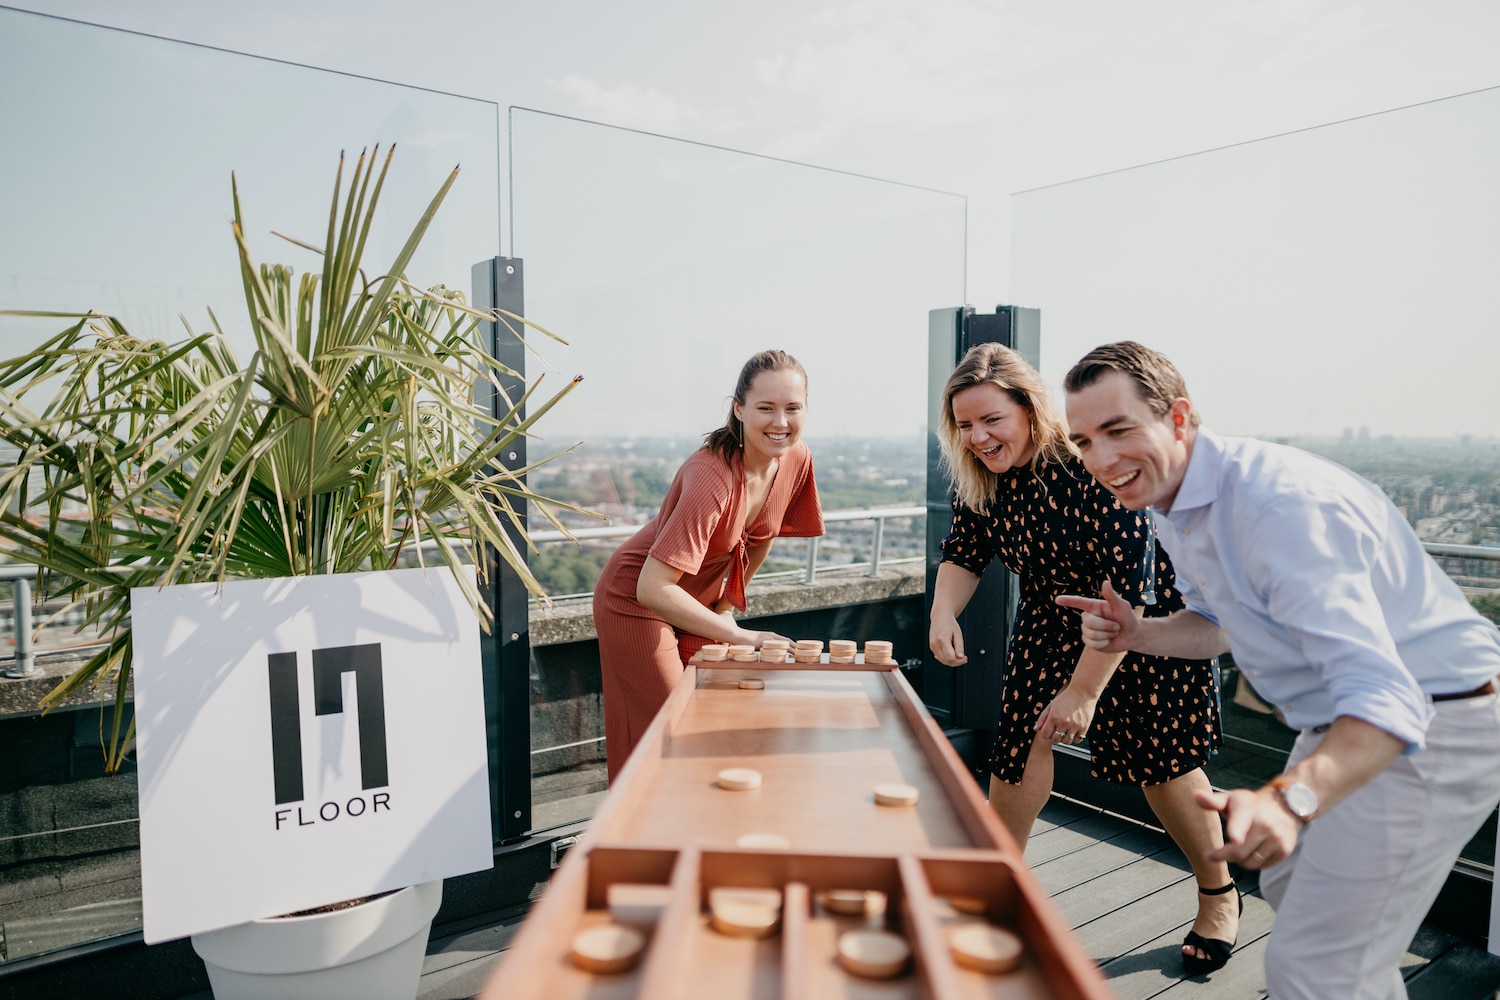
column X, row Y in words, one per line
column 1128, row 894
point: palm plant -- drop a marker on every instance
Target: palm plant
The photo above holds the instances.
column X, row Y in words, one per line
column 356, row 431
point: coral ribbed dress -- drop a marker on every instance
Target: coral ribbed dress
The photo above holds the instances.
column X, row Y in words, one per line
column 701, row 531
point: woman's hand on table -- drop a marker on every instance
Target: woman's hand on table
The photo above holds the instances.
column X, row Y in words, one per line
column 758, row 638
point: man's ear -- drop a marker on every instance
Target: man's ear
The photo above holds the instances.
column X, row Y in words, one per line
column 1180, row 413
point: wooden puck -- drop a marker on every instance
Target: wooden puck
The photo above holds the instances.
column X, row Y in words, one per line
column 873, row 954
column 842, row 647
column 807, row 656
column 713, row 653
column 969, row 904
column 852, row 902
column 984, row 948
column 753, row 913
column 762, row 841
column 610, row 948
column 896, row 794
column 814, row 645
column 751, row 684
column 739, row 779
column 840, row 658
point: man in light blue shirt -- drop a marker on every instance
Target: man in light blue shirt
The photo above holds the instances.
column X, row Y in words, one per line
column 1340, row 618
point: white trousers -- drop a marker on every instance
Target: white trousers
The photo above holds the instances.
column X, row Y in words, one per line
column 1351, row 896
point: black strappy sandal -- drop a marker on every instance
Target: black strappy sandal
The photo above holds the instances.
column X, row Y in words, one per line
column 1217, row 951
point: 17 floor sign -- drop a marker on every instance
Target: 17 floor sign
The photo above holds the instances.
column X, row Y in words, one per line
column 329, row 667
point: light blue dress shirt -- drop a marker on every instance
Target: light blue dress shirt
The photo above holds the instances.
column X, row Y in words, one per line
column 1331, row 605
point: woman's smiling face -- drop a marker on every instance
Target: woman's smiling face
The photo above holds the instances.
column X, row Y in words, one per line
column 993, row 426
column 772, row 414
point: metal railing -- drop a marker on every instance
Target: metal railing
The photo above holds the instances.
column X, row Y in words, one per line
column 21, row 574
column 809, row 572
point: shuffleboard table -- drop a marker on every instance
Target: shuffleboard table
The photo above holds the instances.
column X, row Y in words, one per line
column 828, row 860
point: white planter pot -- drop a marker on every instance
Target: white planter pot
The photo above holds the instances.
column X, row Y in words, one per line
column 373, row 951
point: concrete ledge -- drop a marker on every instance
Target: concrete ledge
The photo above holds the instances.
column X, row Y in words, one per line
column 563, row 622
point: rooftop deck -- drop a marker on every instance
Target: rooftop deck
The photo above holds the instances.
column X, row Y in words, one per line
column 1124, row 889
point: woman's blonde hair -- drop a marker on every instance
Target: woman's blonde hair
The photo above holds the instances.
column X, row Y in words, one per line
column 997, row 365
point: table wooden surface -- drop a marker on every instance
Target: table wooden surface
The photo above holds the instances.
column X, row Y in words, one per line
column 822, row 736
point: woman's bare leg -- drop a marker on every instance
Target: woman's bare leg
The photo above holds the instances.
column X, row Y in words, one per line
column 1018, row 805
column 1196, row 832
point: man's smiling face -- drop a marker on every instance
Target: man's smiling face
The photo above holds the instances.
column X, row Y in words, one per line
column 1136, row 455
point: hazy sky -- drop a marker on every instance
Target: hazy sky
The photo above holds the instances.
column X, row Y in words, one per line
column 983, row 99
column 1331, row 279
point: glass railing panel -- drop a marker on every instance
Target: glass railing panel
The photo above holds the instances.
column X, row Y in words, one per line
column 666, row 264
column 1331, row 288
column 115, row 195
column 116, row 176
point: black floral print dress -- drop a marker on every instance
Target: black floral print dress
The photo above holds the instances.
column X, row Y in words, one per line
column 1062, row 532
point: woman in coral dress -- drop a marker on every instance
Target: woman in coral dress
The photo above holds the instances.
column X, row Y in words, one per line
column 675, row 584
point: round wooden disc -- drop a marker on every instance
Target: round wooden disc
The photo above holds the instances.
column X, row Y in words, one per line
column 609, row 948
column 813, row 645
column 873, row 954
column 807, row 656
column 896, row 794
column 753, row 913
column 745, row 920
column 969, row 904
column 984, row 948
column 760, row 841
column 713, row 653
column 751, row 684
column 840, row 658
column 848, row 902
column 739, row 779
column 843, row 647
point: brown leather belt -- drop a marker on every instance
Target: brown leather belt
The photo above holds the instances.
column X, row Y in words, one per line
column 1488, row 687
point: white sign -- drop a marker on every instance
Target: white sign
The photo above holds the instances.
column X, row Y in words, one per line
column 305, row 740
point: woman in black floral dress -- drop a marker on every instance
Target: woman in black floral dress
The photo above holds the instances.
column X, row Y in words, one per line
column 1024, row 498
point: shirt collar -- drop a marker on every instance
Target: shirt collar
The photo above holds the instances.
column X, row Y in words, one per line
column 1200, row 483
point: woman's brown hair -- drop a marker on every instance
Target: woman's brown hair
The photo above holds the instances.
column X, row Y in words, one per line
column 729, row 439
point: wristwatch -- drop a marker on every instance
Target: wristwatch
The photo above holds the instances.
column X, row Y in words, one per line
column 1300, row 800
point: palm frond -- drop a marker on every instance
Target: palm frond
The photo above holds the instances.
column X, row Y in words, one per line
column 349, row 437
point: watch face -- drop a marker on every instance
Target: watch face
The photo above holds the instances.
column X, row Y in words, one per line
column 1300, row 799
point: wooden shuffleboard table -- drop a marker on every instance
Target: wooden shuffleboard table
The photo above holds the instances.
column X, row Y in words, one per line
column 687, row 887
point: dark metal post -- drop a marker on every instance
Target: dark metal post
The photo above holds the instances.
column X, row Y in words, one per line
column 506, row 652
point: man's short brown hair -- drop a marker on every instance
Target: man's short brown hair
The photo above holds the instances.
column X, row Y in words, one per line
column 1156, row 378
